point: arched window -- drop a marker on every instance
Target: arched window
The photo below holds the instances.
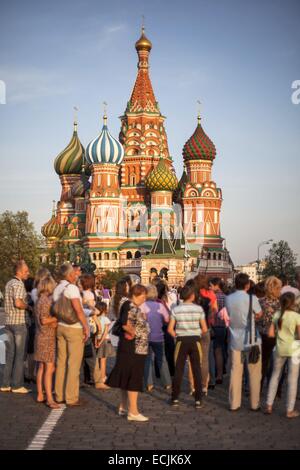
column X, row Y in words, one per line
column 214, row 256
column 100, row 256
column 114, row 256
column 137, row 254
column 94, row 256
column 129, row 255
column 106, row 256
column 220, row 256
column 132, row 179
column 208, row 256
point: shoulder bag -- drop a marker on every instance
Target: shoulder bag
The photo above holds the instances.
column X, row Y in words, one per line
column 63, row 309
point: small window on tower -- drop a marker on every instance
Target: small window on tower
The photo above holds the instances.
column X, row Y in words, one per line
column 132, row 179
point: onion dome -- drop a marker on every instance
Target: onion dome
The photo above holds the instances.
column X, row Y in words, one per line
column 199, row 146
column 161, row 178
column 105, row 148
column 52, row 229
column 143, row 44
column 80, row 187
column 71, row 159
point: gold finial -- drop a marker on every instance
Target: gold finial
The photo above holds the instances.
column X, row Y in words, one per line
column 199, row 111
column 75, row 117
column 53, row 208
column 104, row 112
column 143, row 24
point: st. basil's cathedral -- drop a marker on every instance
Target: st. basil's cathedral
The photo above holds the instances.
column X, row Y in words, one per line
column 122, row 202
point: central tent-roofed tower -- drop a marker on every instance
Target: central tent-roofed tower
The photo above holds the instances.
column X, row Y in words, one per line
column 142, row 132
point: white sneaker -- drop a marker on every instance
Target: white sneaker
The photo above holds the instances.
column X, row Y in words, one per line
column 5, row 389
column 22, row 390
column 138, row 417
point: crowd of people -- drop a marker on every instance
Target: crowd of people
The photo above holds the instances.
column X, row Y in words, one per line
column 67, row 328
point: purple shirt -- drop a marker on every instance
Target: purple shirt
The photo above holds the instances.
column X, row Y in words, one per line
column 157, row 315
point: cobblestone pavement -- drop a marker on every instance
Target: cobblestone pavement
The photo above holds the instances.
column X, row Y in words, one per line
column 97, row 426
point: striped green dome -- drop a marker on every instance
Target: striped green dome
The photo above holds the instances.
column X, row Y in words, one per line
column 69, row 161
column 161, row 178
column 52, row 229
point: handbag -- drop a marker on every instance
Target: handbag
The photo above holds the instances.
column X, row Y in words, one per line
column 117, row 329
column 254, row 353
column 63, row 310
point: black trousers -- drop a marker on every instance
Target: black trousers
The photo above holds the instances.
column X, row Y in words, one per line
column 267, row 347
column 187, row 346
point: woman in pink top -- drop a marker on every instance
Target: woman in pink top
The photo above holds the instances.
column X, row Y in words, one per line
column 157, row 315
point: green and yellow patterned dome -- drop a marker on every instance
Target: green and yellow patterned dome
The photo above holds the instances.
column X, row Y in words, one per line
column 52, row 229
column 161, row 178
column 71, row 159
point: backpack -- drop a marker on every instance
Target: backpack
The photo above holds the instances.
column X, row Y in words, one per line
column 63, row 309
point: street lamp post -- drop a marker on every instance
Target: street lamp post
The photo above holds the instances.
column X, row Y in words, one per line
column 267, row 242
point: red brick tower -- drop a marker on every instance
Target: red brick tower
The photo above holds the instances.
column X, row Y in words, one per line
column 142, row 132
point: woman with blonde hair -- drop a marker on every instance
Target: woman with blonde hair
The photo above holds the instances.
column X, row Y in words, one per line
column 269, row 305
column 33, row 298
column 45, row 341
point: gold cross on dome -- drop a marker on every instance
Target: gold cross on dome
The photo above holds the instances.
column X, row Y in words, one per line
column 199, row 110
column 105, row 108
column 75, row 113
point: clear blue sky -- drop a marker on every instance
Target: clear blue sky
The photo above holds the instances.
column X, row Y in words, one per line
column 239, row 58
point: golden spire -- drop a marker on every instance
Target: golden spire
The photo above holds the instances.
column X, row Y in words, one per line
column 199, row 111
column 104, row 113
column 75, row 117
column 53, row 208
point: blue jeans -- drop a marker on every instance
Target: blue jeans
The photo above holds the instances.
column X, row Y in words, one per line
column 159, row 354
column 13, row 375
column 293, row 374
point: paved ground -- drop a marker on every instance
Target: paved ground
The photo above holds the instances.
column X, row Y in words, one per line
column 96, row 425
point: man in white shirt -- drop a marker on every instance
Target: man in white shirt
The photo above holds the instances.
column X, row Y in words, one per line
column 238, row 305
column 70, row 340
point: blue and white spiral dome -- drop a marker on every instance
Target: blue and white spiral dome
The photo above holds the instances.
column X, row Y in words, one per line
column 105, row 148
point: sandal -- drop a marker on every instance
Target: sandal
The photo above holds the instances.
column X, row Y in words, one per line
column 292, row 414
column 268, row 410
column 122, row 411
column 43, row 400
column 53, row 405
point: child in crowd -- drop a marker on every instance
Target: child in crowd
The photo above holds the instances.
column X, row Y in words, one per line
column 285, row 327
column 102, row 342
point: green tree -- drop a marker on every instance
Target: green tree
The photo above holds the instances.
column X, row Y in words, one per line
column 18, row 240
column 110, row 278
column 281, row 261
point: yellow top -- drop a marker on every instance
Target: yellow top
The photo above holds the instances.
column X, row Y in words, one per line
column 143, row 44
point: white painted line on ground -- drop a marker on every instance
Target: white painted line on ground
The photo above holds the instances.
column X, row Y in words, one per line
column 43, row 434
